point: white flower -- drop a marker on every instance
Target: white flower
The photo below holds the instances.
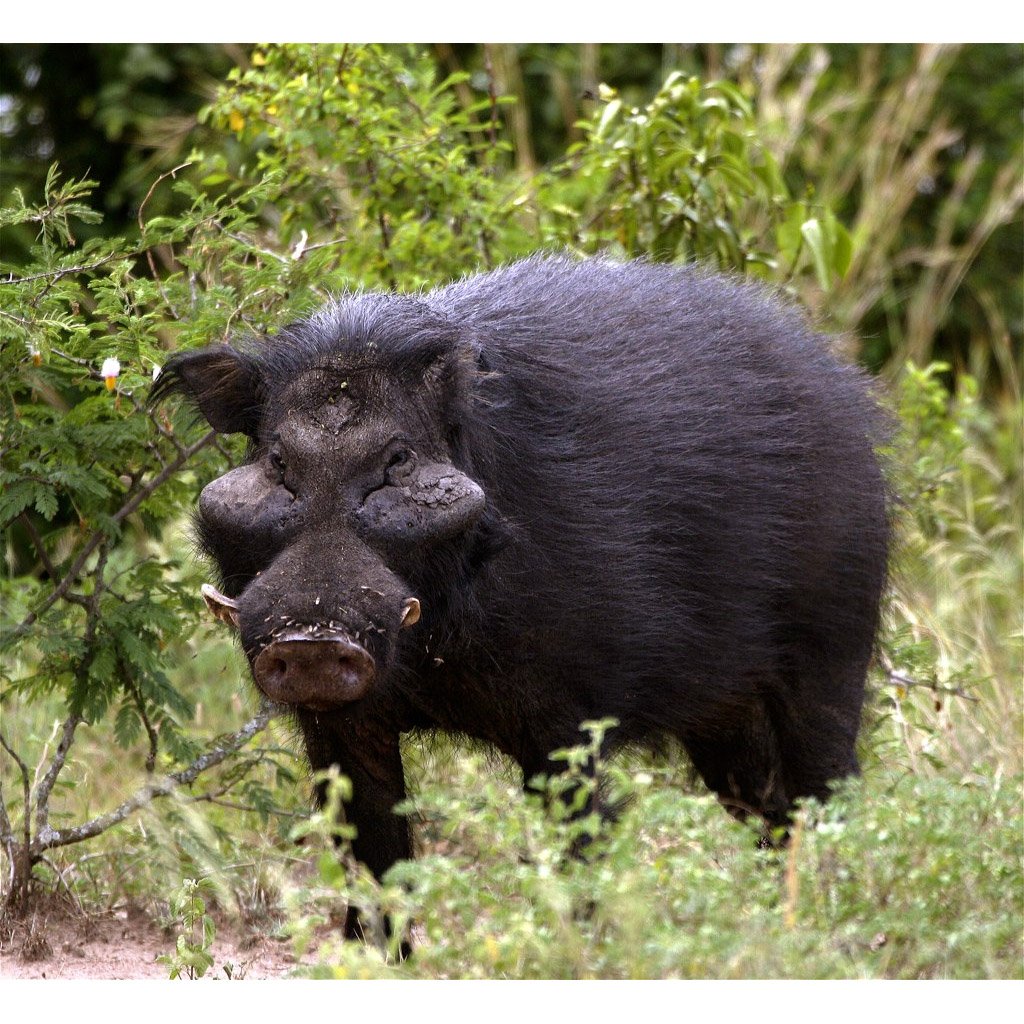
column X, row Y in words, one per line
column 111, row 368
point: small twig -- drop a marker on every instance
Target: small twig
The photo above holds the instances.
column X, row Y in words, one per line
column 251, row 245
column 60, row 875
column 323, row 245
column 64, row 272
column 18, row 319
column 140, row 705
column 211, row 799
column 79, row 362
column 37, row 541
column 152, row 189
column 897, row 678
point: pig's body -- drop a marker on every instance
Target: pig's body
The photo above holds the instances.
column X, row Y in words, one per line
column 614, row 490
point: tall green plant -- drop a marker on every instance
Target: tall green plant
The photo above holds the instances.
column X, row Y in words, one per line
column 687, row 178
column 372, row 147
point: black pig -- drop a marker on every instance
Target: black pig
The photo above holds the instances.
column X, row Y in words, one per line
column 586, row 490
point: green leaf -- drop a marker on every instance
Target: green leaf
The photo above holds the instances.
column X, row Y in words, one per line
column 817, row 244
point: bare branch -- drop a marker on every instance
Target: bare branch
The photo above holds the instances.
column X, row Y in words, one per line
column 50, row 837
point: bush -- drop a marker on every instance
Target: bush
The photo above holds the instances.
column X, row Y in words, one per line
column 911, row 883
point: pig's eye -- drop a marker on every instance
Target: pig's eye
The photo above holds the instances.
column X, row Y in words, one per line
column 399, row 465
column 278, row 465
column 400, row 459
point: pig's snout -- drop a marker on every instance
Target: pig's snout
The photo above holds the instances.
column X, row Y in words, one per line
column 319, row 672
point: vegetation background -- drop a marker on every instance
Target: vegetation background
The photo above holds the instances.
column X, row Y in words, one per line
column 157, row 197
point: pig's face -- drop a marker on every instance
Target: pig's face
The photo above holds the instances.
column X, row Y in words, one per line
column 350, row 479
column 319, row 624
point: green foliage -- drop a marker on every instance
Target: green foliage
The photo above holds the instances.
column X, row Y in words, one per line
column 952, row 651
column 191, row 957
column 686, row 178
column 370, row 145
column 918, row 880
column 918, row 150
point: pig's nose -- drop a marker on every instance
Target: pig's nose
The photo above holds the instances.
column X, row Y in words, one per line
column 314, row 671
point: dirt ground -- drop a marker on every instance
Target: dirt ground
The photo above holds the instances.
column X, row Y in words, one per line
column 63, row 942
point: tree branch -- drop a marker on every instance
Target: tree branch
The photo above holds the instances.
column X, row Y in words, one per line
column 7, row 838
column 65, row 271
column 45, row 786
column 27, row 788
column 140, row 706
column 897, row 678
column 50, row 837
column 37, row 541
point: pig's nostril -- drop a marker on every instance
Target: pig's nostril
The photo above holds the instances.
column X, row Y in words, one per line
column 314, row 672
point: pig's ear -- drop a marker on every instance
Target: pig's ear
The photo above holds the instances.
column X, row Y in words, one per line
column 222, row 382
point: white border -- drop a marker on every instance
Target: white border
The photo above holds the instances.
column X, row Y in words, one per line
column 770, row 21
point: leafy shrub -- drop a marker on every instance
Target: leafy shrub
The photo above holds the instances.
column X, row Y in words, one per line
column 917, row 882
column 688, row 178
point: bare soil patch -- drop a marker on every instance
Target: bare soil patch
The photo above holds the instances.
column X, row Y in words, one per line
column 58, row 940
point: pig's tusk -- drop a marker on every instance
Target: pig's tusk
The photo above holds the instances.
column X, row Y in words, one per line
column 224, row 608
column 410, row 613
